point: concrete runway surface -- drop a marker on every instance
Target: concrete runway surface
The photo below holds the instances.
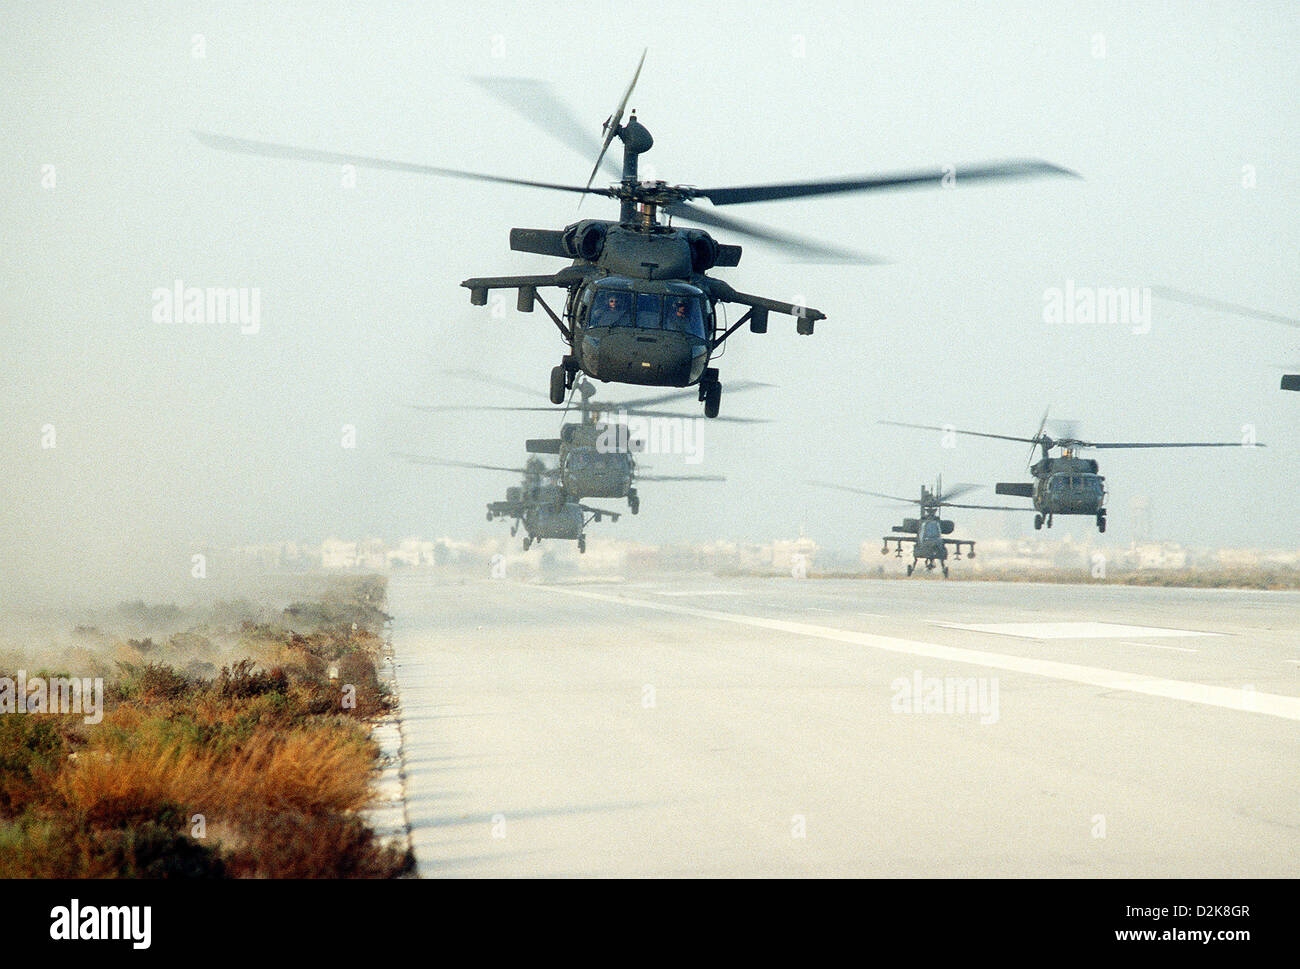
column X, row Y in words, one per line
column 692, row 725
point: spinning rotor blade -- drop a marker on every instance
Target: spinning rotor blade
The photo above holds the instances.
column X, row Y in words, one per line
column 862, row 491
column 536, row 102
column 679, row 477
column 1029, row 463
column 732, row 388
column 1089, row 444
column 270, row 149
column 956, row 491
column 937, row 427
column 805, row 249
column 446, row 463
column 443, row 408
column 1204, row 302
column 615, row 119
column 638, row 412
column 988, row 171
column 993, row 507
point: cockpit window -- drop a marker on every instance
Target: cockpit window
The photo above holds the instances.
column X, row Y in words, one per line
column 682, row 314
column 649, row 306
column 930, row 531
column 611, row 308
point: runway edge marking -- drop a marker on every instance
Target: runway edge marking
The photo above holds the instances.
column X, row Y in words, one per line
column 1227, row 698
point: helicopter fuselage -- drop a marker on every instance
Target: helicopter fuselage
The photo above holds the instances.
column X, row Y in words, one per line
column 1066, row 485
column 640, row 308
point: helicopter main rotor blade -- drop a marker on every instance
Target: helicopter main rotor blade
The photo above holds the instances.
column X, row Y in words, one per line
column 536, row 102
column 937, row 427
column 1089, row 444
column 638, row 412
column 679, row 477
column 615, row 119
column 862, row 491
column 446, row 408
column 956, row 491
column 992, row 507
column 1204, row 302
column 269, row 149
column 805, row 249
column 447, row 463
column 732, row 388
column 1038, row 438
column 987, row 171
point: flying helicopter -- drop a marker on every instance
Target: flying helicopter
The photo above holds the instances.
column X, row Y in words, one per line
column 1068, row 484
column 543, row 510
column 639, row 306
column 926, row 534
column 597, row 453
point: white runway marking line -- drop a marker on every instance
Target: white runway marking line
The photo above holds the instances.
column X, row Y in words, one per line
column 701, row 592
column 1227, row 698
column 1071, row 630
column 1179, row 649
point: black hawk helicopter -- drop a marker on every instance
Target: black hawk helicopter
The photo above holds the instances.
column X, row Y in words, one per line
column 640, row 308
column 544, row 510
column 597, row 453
column 926, row 534
column 1065, row 485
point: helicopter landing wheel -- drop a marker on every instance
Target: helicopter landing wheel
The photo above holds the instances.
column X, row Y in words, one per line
column 633, row 502
column 712, row 399
column 1101, row 523
column 514, row 530
column 1049, row 521
column 527, row 542
column 559, row 378
column 945, row 571
column 911, row 568
column 582, row 544
column 1038, row 522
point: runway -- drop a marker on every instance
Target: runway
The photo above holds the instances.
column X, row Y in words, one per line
column 701, row 726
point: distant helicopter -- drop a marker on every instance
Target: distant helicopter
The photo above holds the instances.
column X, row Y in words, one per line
column 927, row 532
column 1065, row 485
column 640, row 308
column 596, row 454
column 544, row 510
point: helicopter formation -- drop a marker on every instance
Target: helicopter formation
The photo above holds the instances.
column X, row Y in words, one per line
column 639, row 305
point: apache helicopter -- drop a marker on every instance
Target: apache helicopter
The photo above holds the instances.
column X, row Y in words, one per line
column 1065, row 485
column 596, row 454
column 640, row 308
column 544, row 510
column 928, row 531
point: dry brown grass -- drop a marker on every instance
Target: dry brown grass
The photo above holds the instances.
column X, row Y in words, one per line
column 271, row 757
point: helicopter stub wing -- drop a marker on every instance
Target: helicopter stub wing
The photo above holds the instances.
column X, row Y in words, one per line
column 759, row 307
column 599, row 513
column 1018, row 489
column 569, row 276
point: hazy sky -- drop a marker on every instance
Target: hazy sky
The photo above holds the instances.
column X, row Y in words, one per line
column 172, row 434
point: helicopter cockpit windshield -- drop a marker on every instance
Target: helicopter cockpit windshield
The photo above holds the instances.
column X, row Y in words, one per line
column 1075, row 485
column 613, row 302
